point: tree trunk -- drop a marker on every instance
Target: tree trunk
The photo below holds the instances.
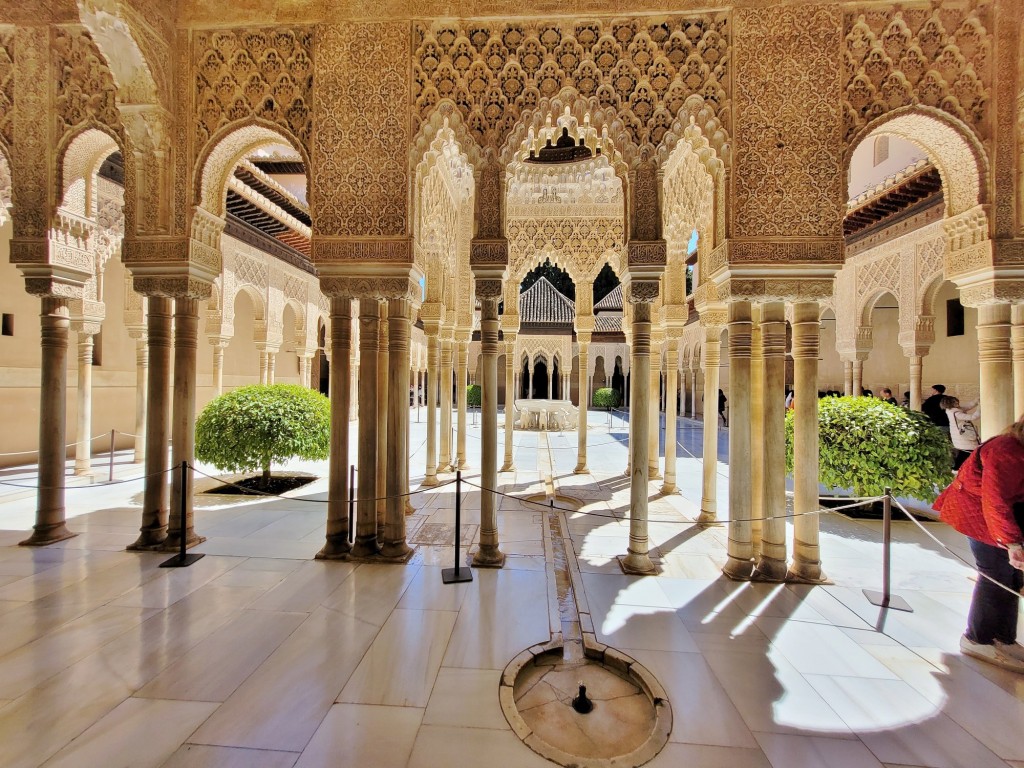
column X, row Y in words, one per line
column 265, row 479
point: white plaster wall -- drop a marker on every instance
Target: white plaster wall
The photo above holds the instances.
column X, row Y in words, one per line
column 865, row 174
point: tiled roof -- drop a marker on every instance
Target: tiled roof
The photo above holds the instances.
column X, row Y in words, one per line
column 612, row 301
column 543, row 303
column 606, row 324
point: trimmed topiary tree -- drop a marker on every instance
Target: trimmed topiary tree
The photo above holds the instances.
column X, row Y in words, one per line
column 250, row 428
column 606, row 398
column 473, row 397
column 868, row 445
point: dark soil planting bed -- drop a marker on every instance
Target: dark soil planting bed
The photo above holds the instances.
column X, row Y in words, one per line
column 250, row 486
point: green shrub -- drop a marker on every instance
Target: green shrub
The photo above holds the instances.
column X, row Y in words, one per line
column 606, row 397
column 473, row 396
column 867, row 444
column 252, row 427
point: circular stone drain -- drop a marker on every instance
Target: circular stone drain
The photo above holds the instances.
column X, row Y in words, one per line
column 628, row 725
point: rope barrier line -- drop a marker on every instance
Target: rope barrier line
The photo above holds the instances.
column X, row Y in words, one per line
column 90, row 485
column 969, row 564
column 257, row 492
column 69, row 445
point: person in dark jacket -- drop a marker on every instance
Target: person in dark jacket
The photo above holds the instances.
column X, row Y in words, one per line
column 722, row 400
column 932, row 408
column 985, row 503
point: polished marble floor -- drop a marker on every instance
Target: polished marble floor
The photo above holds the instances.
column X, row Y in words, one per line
column 258, row 656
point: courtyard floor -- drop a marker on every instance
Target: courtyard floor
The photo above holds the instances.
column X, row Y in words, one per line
column 257, row 656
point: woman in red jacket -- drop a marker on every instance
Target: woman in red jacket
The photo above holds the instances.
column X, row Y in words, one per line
column 980, row 504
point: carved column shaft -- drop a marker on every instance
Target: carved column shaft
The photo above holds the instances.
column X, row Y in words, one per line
column 271, row 367
column 858, row 377
column 304, row 370
column 916, row 367
column 183, row 425
column 637, row 559
column 83, row 439
column 264, row 367
column 50, row 523
column 433, row 364
column 488, row 554
column 218, row 370
column 712, row 360
column 757, row 465
column 847, row 378
column 382, row 415
column 158, row 426
column 771, row 563
column 806, row 552
column 462, row 382
column 654, row 415
column 581, row 428
column 394, row 545
column 996, row 369
column 447, row 371
column 740, row 546
column 671, row 386
column 366, row 505
column 337, row 537
column 511, row 384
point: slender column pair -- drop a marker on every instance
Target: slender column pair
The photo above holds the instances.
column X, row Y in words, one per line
column 847, row 378
column 654, row 435
column 712, row 360
column 740, row 563
column 83, row 443
column 431, row 329
column 382, row 416
column 462, row 382
column 511, row 388
column 219, row 344
column 141, row 387
column 393, row 543
column 366, row 542
column 671, row 385
column 337, row 545
column 445, row 380
column 583, row 344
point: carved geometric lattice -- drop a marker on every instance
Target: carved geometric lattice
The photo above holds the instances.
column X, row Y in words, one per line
column 251, row 272
column 643, row 69
column 575, row 244
column 880, row 274
column 266, row 73
column 7, row 87
column 929, row 259
column 939, row 56
column 295, row 288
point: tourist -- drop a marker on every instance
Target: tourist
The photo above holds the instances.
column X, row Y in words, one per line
column 867, row 393
column 986, row 503
column 905, row 403
column 887, row 396
column 722, row 400
column 962, row 430
column 932, row 407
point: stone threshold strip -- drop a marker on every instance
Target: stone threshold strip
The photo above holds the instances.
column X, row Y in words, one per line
column 631, row 717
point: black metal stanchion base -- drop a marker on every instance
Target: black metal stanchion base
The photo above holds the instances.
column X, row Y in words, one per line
column 456, row 575
column 895, row 602
column 182, row 561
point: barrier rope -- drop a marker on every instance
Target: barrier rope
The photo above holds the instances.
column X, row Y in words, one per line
column 69, row 445
column 90, row 485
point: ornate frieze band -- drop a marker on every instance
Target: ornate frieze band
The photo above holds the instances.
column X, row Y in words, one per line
column 335, row 250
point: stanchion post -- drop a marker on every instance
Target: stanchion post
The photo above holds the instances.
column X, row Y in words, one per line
column 110, row 474
column 885, row 598
column 183, row 559
column 458, row 573
column 352, row 501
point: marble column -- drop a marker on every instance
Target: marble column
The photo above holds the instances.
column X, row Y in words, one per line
column 740, row 551
column 445, row 380
column 757, row 466
column 858, row 378
column 141, row 387
column 916, row 366
column 583, row 345
column 304, row 370
column 1017, row 344
column 461, row 383
column 771, row 560
column 994, row 333
column 671, row 385
column 264, row 367
column 806, row 563
column 550, row 377
column 847, row 378
column 433, row 364
column 218, row 366
column 393, row 544
column 183, row 423
column 638, row 560
column 712, row 360
column 366, row 505
column 511, row 390
column 271, row 367
column 529, row 381
column 50, row 523
column 654, row 414
column 488, row 554
column 337, row 546
column 683, row 391
column 158, row 425
column 693, row 390
column 83, row 437
column 383, row 393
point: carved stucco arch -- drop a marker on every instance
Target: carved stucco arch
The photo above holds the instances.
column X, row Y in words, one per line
column 259, row 306
column 79, row 156
column 226, row 149
column 445, row 117
column 870, row 299
column 929, row 291
column 299, row 312
column 118, row 41
column 952, row 147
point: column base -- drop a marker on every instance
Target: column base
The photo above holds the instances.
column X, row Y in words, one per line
column 47, row 534
column 430, row 481
column 396, row 552
column 488, row 557
column 365, row 547
column 84, row 472
column 409, row 508
column 707, row 516
column 769, row 569
column 635, row 564
column 806, row 572
column 150, row 540
column 668, row 488
column 581, row 469
column 653, row 474
column 335, row 548
column 738, row 569
column 173, row 541
column 510, row 467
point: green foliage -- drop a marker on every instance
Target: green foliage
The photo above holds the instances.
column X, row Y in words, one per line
column 606, row 398
column 867, row 444
column 253, row 427
column 473, row 396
